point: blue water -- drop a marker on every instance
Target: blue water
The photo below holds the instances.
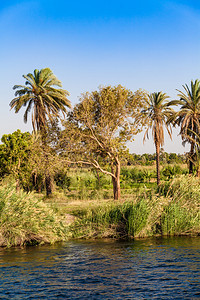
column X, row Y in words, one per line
column 159, row 268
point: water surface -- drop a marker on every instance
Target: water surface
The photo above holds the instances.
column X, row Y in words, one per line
column 158, row 268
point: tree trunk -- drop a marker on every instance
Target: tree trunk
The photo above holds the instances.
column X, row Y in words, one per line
column 48, row 184
column 17, row 186
column 190, row 167
column 48, row 179
column 98, row 178
column 116, row 180
column 17, row 181
column 198, row 171
column 191, row 164
column 157, row 161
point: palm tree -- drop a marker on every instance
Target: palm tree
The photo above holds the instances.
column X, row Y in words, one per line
column 155, row 115
column 41, row 95
column 188, row 117
column 196, row 156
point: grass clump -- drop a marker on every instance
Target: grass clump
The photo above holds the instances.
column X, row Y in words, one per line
column 115, row 220
column 25, row 220
column 182, row 214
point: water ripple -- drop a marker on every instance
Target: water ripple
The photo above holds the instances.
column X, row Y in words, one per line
column 144, row 269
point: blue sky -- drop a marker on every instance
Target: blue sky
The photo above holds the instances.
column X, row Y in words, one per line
column 153, row 45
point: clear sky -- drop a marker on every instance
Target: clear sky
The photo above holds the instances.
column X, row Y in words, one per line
column 148, row 44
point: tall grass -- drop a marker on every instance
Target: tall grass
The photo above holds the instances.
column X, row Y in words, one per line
column 114, row 220
column 174, row 209
column 27, row 220
column 182, row 214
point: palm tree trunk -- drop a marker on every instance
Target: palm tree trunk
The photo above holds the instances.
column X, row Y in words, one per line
column 157, row 161
column 191, row 164
column 48, row 178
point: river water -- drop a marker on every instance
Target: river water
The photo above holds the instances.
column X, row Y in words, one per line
column 156, row 268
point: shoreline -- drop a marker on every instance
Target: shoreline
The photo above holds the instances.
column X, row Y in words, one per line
column 27, row 219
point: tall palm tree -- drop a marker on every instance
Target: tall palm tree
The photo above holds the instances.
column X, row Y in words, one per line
column 155, row 115
column 188, row 117
column 41, row 95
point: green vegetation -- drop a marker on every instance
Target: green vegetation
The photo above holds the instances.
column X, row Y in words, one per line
column 14, row 153
column 83, row 162
column 27, row 220
column 174, row 209
column 145, row 210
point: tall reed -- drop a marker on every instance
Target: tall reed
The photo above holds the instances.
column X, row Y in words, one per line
column 27, row 220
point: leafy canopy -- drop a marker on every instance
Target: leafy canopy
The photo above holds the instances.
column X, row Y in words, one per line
column 14, row 153
column 102, row 122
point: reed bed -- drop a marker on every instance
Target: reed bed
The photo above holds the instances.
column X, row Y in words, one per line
column 173, row 209
column 26, row 220
column 29, row 219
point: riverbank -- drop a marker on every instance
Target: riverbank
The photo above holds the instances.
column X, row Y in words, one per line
column 27, row 219
column 173, row 209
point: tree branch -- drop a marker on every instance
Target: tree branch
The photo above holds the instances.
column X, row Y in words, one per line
column 95, row 164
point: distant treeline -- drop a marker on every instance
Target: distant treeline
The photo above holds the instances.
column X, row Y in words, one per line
column 150, row 159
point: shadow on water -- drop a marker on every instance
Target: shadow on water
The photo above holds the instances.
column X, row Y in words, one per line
column 154, row 268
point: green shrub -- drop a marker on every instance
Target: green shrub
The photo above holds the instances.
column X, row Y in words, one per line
column 62, row 180
column 136, row 215
column 171, row 171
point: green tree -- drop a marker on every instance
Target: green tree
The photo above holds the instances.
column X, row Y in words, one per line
column 14, row 155
column 37, row 156
column 41, row 95
column 155, row 116
column 188, row 117
column 97, row 129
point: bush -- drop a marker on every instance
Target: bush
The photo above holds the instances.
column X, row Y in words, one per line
column 62, row 180
column 171, row 171
column 181, row 215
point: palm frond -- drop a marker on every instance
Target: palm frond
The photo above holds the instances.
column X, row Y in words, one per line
column 41, row 96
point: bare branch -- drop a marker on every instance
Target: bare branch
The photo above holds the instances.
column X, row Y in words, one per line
column 95, row 164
